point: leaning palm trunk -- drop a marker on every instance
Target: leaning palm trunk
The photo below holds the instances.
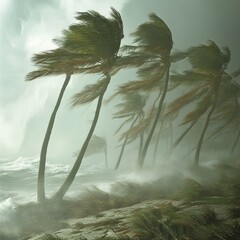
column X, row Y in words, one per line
column 146, row 145
column 200, row 142
column 180, row 138
column 156, row 145
column 124, row 144
column 141, row 138
column 235, row 142
column 106, row 158
column 69, row 180
column 43, row 154
column 219, row 129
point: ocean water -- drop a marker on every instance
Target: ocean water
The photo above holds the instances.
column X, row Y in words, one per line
column 18, row 180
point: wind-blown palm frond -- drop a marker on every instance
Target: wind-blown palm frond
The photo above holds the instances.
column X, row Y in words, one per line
column 206, row 57
column 97, row 144
column 132, row 104
column 89, row 93
column 140, row 127
column 178, row 56
column 148, row 83
column 154, row 36
column 190, row 78
column 187, row 98
column 89, row 36
column 201, row 107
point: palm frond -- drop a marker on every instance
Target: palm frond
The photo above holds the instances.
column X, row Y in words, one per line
column 97, row 144
column 89, row 93
column 190, row 78
column 187, row 98
column 132, row 104
column 154, row 36
column 94, row 35
column 206, row 57
column 178, row 56
column 201, row 107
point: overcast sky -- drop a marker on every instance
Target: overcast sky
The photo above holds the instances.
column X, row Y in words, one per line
column 28, row 27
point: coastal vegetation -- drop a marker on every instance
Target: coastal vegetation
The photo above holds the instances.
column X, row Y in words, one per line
column 201, row 102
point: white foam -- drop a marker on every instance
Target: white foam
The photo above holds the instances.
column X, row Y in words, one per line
column 6, row 208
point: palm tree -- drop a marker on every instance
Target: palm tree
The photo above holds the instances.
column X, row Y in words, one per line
column 51, row 63
column 132, row 109
column 154, row 41
column 208, row 70
column 227, row 110
column 99, row 38
column 213, row 62
column 97, row 144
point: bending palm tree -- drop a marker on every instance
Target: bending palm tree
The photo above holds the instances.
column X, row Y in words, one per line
column 153, row 52
column 208, row 64
column 209, row 59
column 99, row 38
column 52, row 63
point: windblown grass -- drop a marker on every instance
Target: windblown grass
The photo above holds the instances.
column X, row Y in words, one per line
column 204, row 224
column 51, row 237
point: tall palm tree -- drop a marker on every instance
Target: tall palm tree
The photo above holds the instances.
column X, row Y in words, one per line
column 99, row 38
column 132, row 109
column 51, row 63
column 155, row 42
column 207, row 72
column 210, row 60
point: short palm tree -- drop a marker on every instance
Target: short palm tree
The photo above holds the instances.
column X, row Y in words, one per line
column 96, row 145
column 99, row 38
column 132, row 109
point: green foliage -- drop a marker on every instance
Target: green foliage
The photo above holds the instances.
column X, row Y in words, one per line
column 231, row 189
column 51, row 237
column 201, row 224
column 89, row 93
column 115, row 238
column 190, row 190
column 234, row 212
column 94, row 35
column 206, row 57
column 132, row 104
column 154, row 36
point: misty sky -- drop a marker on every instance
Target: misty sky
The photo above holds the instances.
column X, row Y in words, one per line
column 28, row 27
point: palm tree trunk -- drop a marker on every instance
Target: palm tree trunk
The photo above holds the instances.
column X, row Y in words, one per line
column 141, row 138
column 146, row 145
column 123, row 145
column 156, row 145
column 180, row 138
column 219, row 129
column 69, row 180
column 200, row 141
column 106, row 158
column 43, row 154
column 235, row 142
column 169, row 153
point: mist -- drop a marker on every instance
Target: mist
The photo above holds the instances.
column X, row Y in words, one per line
column 191, row 155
